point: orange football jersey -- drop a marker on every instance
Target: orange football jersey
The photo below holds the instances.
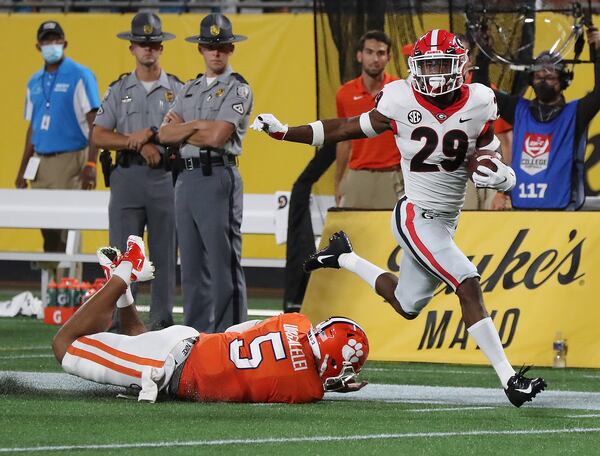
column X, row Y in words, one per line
column 270, row 362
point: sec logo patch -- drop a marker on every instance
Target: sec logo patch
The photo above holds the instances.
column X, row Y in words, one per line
column 414, row 117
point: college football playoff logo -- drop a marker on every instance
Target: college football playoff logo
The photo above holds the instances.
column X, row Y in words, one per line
column 535, row 154
column 414, row 117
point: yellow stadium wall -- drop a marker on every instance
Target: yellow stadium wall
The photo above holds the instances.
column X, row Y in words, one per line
column 278, row 61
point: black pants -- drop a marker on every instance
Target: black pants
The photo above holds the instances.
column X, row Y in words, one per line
column 300, row 236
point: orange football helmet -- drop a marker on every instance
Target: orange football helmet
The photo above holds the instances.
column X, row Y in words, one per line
column 341, row 347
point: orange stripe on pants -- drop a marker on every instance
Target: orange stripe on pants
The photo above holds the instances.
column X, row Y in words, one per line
column 121, row 354
column 103, row 362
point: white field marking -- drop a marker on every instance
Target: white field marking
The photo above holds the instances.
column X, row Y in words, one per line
column 412, row 394
column 468, row 396
column 254, row 312
column 425, row 371
column 27, row 356
column 318, row 438
column 450, row 409
column 31, row 347
column 595, row 415
column 591, row 376
column 414, row 401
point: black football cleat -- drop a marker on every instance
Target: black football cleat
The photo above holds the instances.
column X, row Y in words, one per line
column 328, row 256
column 521, row 389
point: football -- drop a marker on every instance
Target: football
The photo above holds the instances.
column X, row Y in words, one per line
column 474, row 161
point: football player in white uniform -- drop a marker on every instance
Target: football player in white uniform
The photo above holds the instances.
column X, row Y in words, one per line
column 438, row 122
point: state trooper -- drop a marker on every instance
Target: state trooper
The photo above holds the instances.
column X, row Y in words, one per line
column 209, row 119
column 141, row 186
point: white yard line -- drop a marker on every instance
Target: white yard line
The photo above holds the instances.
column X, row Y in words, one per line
column 26, row 348
column 595, row 415
column 27, row 356
column 448, row 396
column 468, row 396
column 449, row 409
column 425, row 371
column 324, row 438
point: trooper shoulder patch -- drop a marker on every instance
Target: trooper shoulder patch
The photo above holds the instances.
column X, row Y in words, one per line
column 238, row 107
column 242, row 91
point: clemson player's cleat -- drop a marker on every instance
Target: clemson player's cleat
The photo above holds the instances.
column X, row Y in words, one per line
column 109, row 258
column 142, row 268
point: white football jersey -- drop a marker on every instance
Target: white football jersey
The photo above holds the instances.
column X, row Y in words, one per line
column 435, row 144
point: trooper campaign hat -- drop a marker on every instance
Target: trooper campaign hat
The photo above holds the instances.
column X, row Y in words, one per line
column 215, row 29
column 49, row 27
column 146, row 28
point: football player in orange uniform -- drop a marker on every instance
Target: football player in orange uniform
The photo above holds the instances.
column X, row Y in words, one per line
column 281, row 359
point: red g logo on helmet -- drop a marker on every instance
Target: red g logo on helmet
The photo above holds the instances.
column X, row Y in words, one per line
column 341, row 347
column 437, row 63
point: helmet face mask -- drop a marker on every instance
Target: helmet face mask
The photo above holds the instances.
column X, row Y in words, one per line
column 341, row 348
column 438, row 63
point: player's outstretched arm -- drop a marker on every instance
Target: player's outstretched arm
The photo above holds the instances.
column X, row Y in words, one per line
column 367, row 125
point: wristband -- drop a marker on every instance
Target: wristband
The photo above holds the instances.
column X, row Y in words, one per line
column 366, row 126
column 318, row 133
column 91, row 164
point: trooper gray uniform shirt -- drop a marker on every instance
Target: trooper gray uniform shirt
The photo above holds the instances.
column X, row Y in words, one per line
column 208, row 206
column 139, row 195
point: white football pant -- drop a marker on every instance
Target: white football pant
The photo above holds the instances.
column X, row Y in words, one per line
column 429, row 256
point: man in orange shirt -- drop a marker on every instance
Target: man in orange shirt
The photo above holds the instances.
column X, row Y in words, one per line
column 368, row 171
column 281, row 359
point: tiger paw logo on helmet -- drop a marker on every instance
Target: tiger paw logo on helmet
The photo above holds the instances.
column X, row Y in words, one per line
column 337, row 342
column 352, row 351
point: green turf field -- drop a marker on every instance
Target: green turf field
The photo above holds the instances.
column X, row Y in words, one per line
column 386, row 419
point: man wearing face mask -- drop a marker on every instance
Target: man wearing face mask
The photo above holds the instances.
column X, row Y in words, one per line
column 550, row 135
column 60, row 107
column 141, row 188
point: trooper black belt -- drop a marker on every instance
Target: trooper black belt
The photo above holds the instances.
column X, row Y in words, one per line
column 191, row 163
column 126, row 158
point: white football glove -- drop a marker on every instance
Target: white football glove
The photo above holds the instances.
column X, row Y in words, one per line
column 502, row 180
column 270, row 125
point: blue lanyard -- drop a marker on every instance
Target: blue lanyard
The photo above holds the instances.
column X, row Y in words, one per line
column 48, row 97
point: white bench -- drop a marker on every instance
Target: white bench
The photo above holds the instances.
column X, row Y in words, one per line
column 76, row 210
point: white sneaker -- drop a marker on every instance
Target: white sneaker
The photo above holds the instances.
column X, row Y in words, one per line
column 108, row 257
column 143, row 269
